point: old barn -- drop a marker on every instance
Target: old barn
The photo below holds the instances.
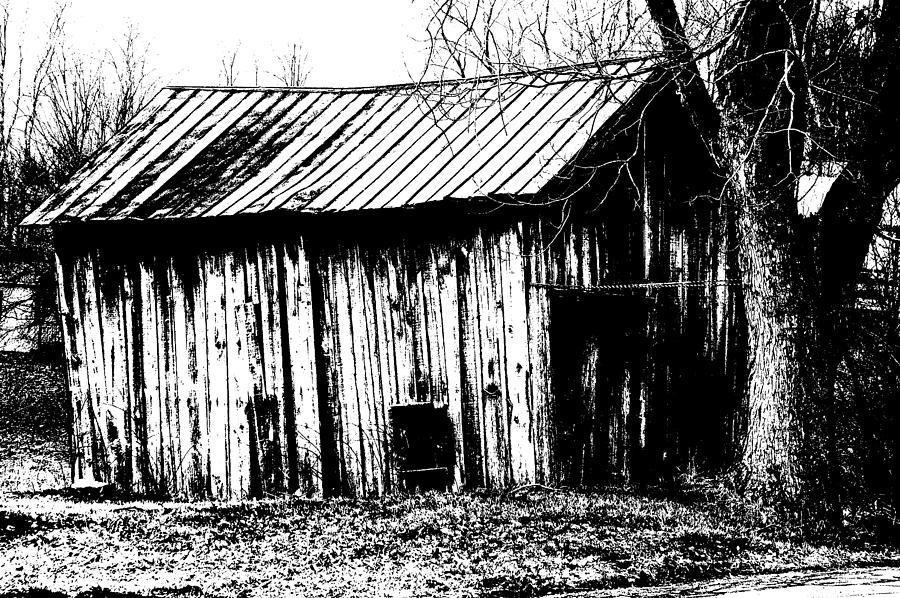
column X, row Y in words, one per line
column 469, row 283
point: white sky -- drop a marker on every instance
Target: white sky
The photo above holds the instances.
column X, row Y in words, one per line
column 348, row 42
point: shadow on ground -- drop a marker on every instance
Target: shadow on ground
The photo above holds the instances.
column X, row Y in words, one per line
column 13, row 524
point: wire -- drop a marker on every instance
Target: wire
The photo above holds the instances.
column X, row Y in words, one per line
column 640, row 285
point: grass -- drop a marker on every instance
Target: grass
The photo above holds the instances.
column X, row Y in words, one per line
column 440, row 544
column 531, row 543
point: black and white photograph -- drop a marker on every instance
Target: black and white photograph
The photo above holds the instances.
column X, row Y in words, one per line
column 449, row 298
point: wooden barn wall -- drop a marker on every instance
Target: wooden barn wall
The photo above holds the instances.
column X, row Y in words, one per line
column 273, row 367
column 191, row 375
column 684, row 345
column 466, row 321
column 442, row 322
column 195, row 375
column 215, row 373
column 675, row 404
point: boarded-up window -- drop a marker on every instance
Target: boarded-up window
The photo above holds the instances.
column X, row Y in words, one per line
column 422, row 437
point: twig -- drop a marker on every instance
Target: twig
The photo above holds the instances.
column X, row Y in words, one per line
column 526, row 487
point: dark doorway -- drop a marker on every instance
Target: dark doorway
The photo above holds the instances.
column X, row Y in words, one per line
column 597, row 343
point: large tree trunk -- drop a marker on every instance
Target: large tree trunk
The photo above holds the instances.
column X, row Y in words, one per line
column 764, row 115
column 772, row 450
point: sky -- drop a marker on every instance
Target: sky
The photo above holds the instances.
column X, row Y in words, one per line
column 347, row 42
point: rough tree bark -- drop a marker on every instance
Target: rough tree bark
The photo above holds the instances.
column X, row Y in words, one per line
column 764, row 107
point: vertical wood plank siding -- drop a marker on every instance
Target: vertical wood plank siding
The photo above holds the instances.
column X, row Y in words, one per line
column 193, row 375
column 656, row 415
column 274, row 367
column 444, row 322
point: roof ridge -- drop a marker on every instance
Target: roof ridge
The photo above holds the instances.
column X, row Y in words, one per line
column 581, row 67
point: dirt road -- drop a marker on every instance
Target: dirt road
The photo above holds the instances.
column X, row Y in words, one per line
column 878, row 581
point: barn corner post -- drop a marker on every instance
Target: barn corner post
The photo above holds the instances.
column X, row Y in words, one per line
column 69, row 360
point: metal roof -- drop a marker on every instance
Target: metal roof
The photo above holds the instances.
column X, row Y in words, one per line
column 205, row 152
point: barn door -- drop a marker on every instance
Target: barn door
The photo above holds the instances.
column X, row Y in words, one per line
column 597, row 345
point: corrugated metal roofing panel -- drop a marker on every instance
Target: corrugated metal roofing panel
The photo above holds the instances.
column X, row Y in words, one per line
column 239, row 132
column 133, row 172
column 203, row 152
column 487, row 155
column 358, row 143
column 182, row 153
column 314, row 137
column 234, row 165
column 383, row 167
column 536, row 164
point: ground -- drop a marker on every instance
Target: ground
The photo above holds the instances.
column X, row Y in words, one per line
column 531, row 542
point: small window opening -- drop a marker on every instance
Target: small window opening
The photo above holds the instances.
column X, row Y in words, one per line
column 423, row 446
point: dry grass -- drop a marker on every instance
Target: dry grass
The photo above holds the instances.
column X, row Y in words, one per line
column 530, row 544
column 448, row 545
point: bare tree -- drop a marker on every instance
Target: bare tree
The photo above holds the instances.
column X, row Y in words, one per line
column 22, row 87
column 483, row 37
column 56, row 114
column 86, row 102
column 800, row 271
column 131, row 84
column 228, row 72
column 288, row 68
column 23, row 183
column 293, row 71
